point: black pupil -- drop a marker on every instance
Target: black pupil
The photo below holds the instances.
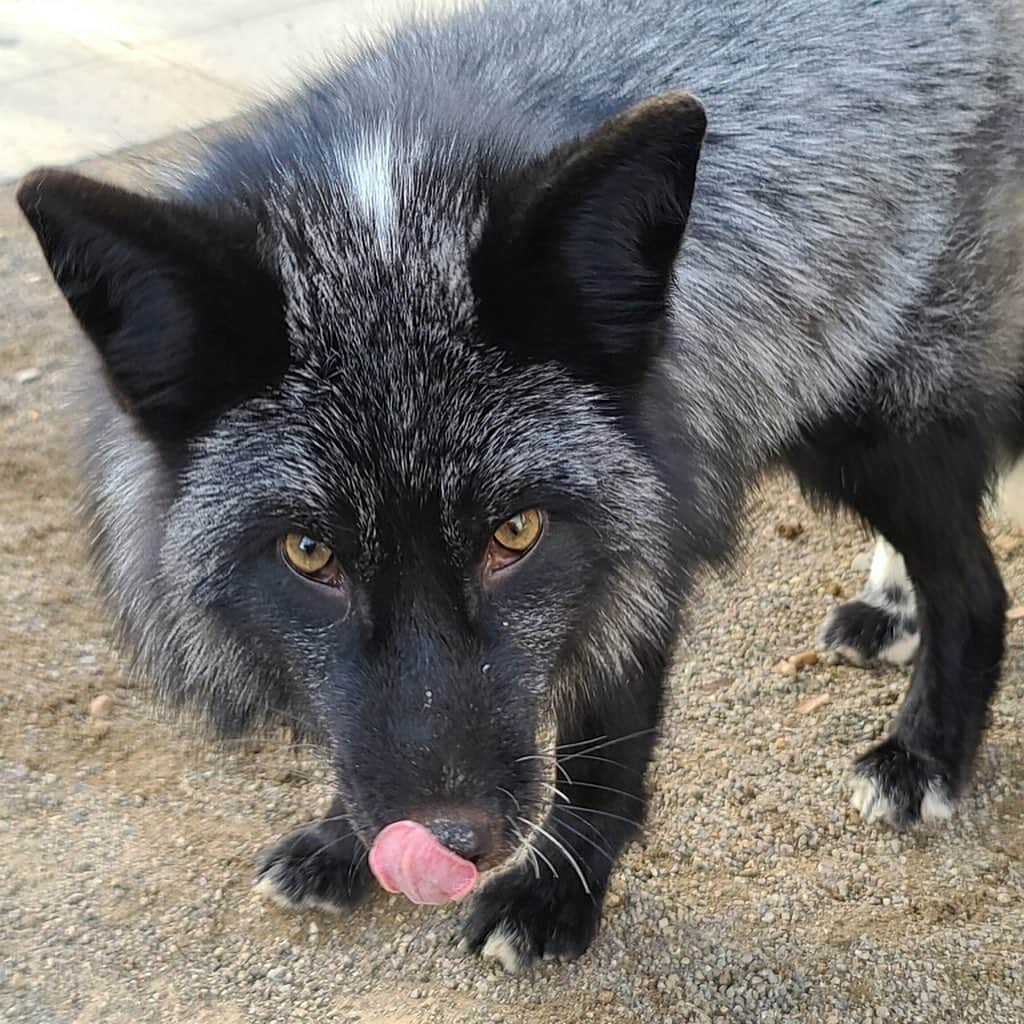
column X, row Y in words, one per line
column 307, row 545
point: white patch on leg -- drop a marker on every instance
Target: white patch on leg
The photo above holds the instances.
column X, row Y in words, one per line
column 888, row 575
column 888, row 589
column 936, row 805
column 268, row 887
column 902, row 650
column 847, row 653
column 887, row 568
column 501, row 946
column 871, row 802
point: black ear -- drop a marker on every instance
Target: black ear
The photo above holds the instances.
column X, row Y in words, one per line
column 575, row 260
column 186, row 318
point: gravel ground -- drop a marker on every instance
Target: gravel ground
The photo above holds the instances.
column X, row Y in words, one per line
column 755, row 895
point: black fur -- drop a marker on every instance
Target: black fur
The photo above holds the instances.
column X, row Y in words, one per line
column 175, row 298
column 591, row 234
column 898, row 482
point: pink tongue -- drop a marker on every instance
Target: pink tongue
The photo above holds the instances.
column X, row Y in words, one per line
column 405, row 857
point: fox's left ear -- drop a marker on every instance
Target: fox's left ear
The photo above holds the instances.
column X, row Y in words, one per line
column 183, row 314
column 575, row 260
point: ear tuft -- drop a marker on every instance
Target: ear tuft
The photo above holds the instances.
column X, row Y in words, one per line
column 187, row 319
column 576, row 260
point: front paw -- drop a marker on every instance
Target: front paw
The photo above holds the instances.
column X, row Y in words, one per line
column 518, row 918
column 861, row 631
column 315, row 868
column 894, row 785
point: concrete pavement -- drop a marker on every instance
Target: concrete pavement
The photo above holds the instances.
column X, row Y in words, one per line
column 82, row 78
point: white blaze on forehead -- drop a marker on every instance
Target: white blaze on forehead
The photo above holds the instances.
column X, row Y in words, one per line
column 370, row 185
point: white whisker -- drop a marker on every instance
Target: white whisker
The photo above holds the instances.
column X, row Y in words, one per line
column 568, row 856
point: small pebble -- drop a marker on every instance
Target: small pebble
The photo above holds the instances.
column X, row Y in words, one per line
column 807, row 707
column 789, row 529
column 101, row 706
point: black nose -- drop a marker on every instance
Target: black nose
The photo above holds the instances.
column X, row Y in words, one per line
column 470, row 841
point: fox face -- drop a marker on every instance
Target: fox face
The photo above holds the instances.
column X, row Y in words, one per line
column 411, row 500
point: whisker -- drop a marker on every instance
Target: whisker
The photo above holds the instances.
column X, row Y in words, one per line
column 608, row 760
column 556, row 791
column 332, row 817
column 591, row 757
column 510, row 795
column 608, row 789
column 354, row 867
column 605, row 814
column 568, row 856
column 610, row 743
column 589, row 824
column 586, row 839
column 581, row 743
column 527, row 846
column 326, row 846
column 542, row 757
column 540, row 854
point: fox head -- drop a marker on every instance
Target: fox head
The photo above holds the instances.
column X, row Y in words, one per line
column 377, row 455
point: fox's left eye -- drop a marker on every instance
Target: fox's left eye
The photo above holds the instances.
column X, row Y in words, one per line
column 308, row 557
column 514, row 539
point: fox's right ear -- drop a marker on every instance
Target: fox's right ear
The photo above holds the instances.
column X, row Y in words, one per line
column 186, row 318
column 575, row 261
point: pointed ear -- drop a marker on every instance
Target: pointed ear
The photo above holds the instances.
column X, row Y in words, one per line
column 185, row 317
column 575, row 262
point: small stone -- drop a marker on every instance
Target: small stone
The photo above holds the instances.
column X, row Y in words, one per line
column 805, row 659
column 1015, row 613
column 605, row 996
column 29, row 374
column 789, row 529
column 101, row 706
column 18, row 981
column 786, row 667
column 718, row 683
column 811, row 704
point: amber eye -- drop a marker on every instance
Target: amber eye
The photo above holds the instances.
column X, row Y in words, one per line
column 514, row 538
column 309, row 557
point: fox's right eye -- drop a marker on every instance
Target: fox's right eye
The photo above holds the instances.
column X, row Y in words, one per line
column 308, row 557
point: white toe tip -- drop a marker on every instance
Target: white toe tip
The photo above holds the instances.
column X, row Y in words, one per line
column 499, row 946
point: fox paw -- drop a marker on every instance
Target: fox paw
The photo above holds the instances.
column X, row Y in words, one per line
column 315, row 868
column 893, row 785
column 862, row 632
column 518, row 919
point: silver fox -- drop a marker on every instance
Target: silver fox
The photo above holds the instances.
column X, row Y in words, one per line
column 422, row 396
